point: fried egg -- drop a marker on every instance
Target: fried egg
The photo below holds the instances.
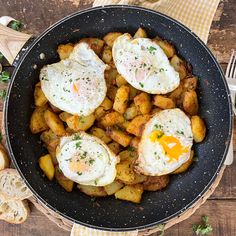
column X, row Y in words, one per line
column 75, row 85
column 144, row 65
column 165, row 144
column 86, row 160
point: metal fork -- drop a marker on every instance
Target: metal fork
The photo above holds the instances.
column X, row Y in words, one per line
column 230, row 76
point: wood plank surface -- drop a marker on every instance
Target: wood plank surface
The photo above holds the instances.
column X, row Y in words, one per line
column 37, row 15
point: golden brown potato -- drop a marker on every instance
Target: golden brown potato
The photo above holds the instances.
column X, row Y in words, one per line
column 190, row 83
column 114, row 147
column 37, row 121
column 139, row 178
column 124, row 172
column 39, row 97
column 54, row 123
column 140, row 33
column 48, row 136
column 111, row 92
column 123, row 125
column 101, row 134
column 128, row 155
column 132, row 193
column 119, row 136
column 99, row 113
column 77, row 123
column 110, row 76
column 121, row 99
column 106, row 104
column 64, row 50
column 135, row 142
column 92, row 191
column 52, row 146
column 177, row 94
column 155, row 110
column 111, row 37
column 107, row 54
column 168, row 48
column 136, row 125
column 94, row 43
column 154, row 183
column 190, row 102
column 64, row 116
column 46, row 165
column 113, row 187
column 120, row 80
column 132, row 92
column 66, row 183
column 111, row 119
column 163, row 102
column 131, row 112
column 198, row 128
column 143, row 102
column 186, row 165
column 180, row 66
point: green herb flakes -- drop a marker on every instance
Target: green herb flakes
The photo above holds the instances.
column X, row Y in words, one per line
column 5, row 76
column 78, row 145
column 204, row 228
column 151, row 50
column 141, row 84
column 16, row 25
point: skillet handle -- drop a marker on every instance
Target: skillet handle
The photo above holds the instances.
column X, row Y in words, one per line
column 11, row 42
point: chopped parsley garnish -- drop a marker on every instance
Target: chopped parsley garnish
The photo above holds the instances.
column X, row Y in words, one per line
column 151, row 50
column 95, row 182
column 79, row 173
column 161, row 69
column 157, row 126
column 204, row 228
column 131, row 149
column 76, row 137
column 68, row 159
column 81, row 119
column 141, row 84
column 84, row 155
column 16, row 25
column 160, row 135
column 78, row 145
column 135, row 58
column 3, row 94
column 5, row 76
column 180, row 132
column 91, row 161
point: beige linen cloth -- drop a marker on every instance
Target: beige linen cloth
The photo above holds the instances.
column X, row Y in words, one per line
column 197, row 15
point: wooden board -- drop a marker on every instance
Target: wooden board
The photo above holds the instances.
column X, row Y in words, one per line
column 37, row 15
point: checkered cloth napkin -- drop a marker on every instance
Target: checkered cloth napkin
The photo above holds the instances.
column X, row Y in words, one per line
column 197, row 15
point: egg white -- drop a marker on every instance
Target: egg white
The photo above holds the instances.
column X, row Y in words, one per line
column 75, row 85
column 144, row 65
column 82, row 148
column 152, row 157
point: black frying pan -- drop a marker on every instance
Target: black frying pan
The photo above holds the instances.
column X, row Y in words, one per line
column 108, row 213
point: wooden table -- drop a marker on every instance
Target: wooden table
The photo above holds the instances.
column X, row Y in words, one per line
column 37, row 15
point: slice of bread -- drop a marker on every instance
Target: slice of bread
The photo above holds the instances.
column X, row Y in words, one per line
column 12, row 187
column 15, row 212
column 4, row 159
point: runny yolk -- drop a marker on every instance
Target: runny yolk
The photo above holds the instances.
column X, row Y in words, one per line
column 77, row 166
column 170, row 144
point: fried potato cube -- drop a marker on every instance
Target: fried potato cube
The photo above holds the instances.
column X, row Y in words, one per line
column 198, row 128
column 66, row 183
column 95, row 44
column 154, row 183
column 107, row 54
column 54, row 123
column 139, row 178
column 64, row 50
column 136, row 125
column 163, row 102
column 92, row 191
column 132, row 92
column 99, row 113
column 111, row 92
column 190, row 83
column 123, row 125
column 113, row 187
column 140, row 33
column 48, row 136
column 184, row 167
column 111, row 119
column 128, row 155
column 135, row 142
column 121, row 99
column 190, row 102
column 46, row 165
column 37, row 121
column 131, row 112
column 101, row 134
column 155, row 110
column 120, row 80
column 180, row 66
column 177, row 94
column 106, row 104
column 78, row 123
column 110, row 76
column 39, row 97
column 132, row 193
column 64, row 116
column 111, row 37
column 143, row 102
column 114, row 147
column 119, row 136
column 51, row 147
column 168, row 48
column 124, row 172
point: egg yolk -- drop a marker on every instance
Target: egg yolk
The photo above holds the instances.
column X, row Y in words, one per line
column 170, row 144
column 78, row 166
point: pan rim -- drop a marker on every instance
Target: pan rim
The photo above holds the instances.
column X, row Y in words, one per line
column 142, row 227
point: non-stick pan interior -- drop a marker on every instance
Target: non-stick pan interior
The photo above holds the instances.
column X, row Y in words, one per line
column 108, row 213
